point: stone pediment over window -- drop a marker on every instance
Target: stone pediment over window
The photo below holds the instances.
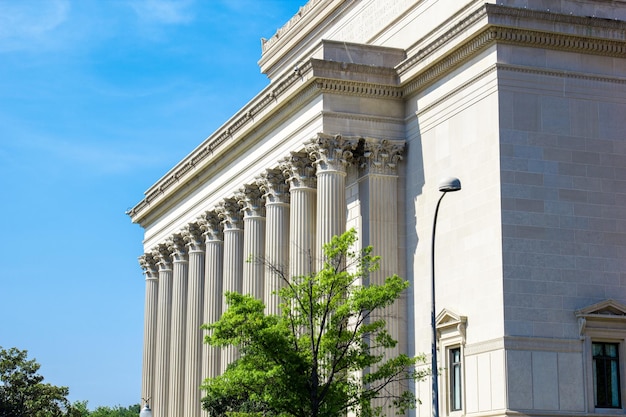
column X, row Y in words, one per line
column 451, row 325
column 605, row 317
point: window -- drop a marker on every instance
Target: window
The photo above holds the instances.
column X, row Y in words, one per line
column 602, row 329
column 455, row 379
column 451, row 342
column 606, row 375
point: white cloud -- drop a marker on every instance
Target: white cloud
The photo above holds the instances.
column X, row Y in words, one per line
column 164, row 11
column 28, row 23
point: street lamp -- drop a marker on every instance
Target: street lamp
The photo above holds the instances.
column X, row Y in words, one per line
column 448, row 185
column 146, row 412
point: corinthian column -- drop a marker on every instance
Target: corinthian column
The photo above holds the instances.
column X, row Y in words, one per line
column 379, row 188
column 302, row 187
column 160, row 390
column 250, row 198
column 230, row 214
column 195, row 292
column 179, row 315
column 332, row 154
column 213, row 290
column 275, row 191
column 148, row 264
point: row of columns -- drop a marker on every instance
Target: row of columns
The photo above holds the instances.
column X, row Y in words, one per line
column 280, row 221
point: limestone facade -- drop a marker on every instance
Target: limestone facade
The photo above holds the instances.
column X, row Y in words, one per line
column 370, row 103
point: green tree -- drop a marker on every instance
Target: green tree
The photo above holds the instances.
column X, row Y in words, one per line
column 324, row 355
column 23, row 392
column 117, row 411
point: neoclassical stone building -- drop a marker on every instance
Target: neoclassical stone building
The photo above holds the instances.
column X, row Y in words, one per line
column 370, row 103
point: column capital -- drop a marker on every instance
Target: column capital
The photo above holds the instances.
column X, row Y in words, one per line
column 381, row 156
column 299, row 170
column 212, row 227
column 163, row 255
column 229, row 213
column 332, row 152
column 250, row 199
column 178, row 248
column 193, row 237
column 149, row 266
column 273, row 185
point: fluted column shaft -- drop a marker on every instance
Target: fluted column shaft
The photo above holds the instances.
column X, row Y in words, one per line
column 332, row 154
column 150, row 268
column 250, row 198
column 179, row 316
column 195, row 311
column 160, row 392
column 233, row 264
column 302, row 221
column 380, row 218
column 213, row 292
column 379, row 183
column 275, row 191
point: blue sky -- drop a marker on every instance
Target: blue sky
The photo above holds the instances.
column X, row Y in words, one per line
column 98, row 100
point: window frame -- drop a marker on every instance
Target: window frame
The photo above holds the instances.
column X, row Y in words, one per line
column 451, row 336
column 606, row 358
column 604, row 322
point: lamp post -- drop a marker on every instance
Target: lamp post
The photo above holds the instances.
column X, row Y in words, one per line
column 446, row 186
column 146, row 412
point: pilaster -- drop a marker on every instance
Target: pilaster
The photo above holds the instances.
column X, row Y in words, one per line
column 275, row 190
column 378, row 189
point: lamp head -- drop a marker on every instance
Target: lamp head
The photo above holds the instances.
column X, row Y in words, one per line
column 146, row 412
column 449, row 184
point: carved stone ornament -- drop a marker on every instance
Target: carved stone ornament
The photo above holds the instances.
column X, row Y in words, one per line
column 149, row 265
column 606, row 317
column 299, row 170
column 163, row 255
column 178, row 248
column 193, row 237
column 230, row 214
column 332, row 152
column 251, row 200
column 381, row 156
column 273, row 185
column 211, row 226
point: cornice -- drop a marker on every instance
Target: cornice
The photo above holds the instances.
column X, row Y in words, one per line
column 360, row 89
column 430, row 63
column 274, row 97
column 587, row 35
column 560, row 73
column 267, row 44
